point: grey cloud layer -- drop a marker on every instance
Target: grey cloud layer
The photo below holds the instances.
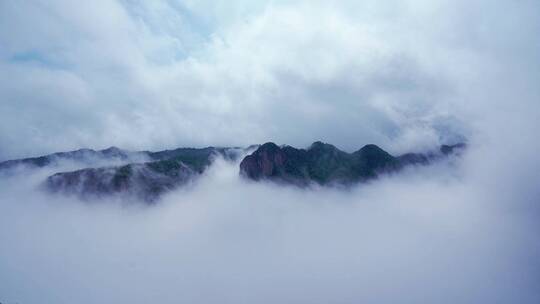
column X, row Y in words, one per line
column 151, row 75
column 163, row 74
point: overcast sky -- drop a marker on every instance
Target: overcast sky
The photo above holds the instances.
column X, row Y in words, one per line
column 406, row 75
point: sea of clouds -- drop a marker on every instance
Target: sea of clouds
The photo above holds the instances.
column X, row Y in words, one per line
column 455, row 232
column 406, row 75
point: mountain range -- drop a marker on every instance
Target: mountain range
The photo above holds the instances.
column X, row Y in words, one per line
column 146, row 175
column 324, row 164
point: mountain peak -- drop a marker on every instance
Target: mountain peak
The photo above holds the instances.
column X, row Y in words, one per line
column 319, row 145
column 370, row 148
column 268, row 147
column 112, row 149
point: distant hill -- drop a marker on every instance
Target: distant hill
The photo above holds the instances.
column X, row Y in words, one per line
column 82, row 155
column 147, row 180
column 145, row 175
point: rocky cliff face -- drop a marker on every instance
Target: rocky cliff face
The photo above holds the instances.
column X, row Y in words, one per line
column 267, row 160
column 325, row 164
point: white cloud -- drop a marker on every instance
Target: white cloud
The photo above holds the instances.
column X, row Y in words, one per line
column 178, row 74
column 431, row 234
column 404, row 75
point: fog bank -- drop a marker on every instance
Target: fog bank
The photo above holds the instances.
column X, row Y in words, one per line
column 406, row 75
column 433, row 234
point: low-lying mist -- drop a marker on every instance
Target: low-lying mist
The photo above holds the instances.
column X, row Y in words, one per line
column 455, row 232
column 149, row 75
